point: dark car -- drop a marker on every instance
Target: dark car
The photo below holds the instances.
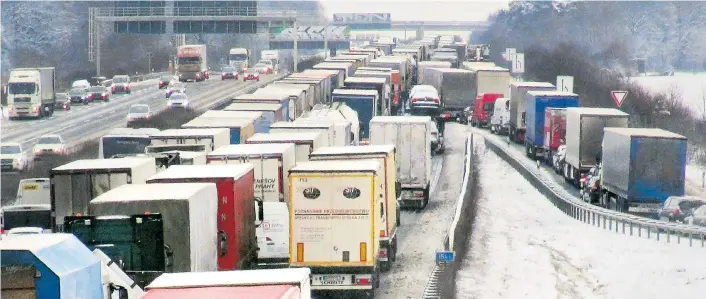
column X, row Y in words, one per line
column 164, row 81
column 63, row 101
column 121, row 84
column 229, row 72
column 99, row 93
column 677, row 208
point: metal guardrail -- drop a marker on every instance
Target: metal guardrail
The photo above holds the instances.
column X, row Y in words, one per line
column 601, row 217
column 196, row 12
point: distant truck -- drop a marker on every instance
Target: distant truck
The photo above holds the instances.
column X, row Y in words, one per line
column 641, row 168
column 537, row 102
column 31, row 92
column 501, row 116
column 518, row 95
column 483, row 108
column 192, row 63
column 554, row 133
column 454, row 89
column 337, row 235
column 271, row 55
column 363, row 102
column 584, row 134
column 239, row 58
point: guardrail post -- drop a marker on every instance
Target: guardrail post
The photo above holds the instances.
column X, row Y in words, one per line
column 610, row 224
column 623, row 222
column 639, row 230
column 649, row 231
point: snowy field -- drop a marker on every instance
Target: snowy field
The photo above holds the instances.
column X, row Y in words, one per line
column 691, row 86
column 524, row 247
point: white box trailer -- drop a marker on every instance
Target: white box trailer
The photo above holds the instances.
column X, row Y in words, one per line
column 424, row 65
column 240, row 129
column 304, row 142
column 257, row 118
column 288, row 99
column 337, row 210
column 271, row 112
column 385, row 154
column 411, row 136
column 323, row 126
column 256, row 282
column 298, row 95
column 347, row 131
column 189, row 212
column 75, row 184
column 312, row 96
column 211, row 138
column 337, row 81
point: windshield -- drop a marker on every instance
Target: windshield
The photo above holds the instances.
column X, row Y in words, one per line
column 97, row 89
column 121, row 79
column 178, row 96
column 48, row 140
column 260, row 65
column 139, row 109
column 21, row 88
column 238, row 57
column 188, row 60
column 488, row 106
column 228, row 69
column 76, row 92
column 124, row 145
column 10, row 149
column 265, row 62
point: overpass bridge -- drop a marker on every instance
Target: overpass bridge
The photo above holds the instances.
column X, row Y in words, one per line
column 440, row 25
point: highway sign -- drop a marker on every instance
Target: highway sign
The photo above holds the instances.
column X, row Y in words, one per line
column 565, row 83
column 619, row 96
column 518, row 63
column 361, row 18
column 444, row 257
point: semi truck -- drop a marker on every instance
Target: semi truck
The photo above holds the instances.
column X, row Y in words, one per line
column 485, row 80
column 271, row 112
column 239, row 58
column 348, row 68
column 288, row 102
column 75, row 184
column 345, row 122
column 192, row 63
column 125, row 142
column 240, row 129
column 260, row 123
column 380, row 85
column 304, row 142
column 326, row 127
column 337, row 235
column 554, row 133
column 584, row 134
column 31, row 92
column 364, row 103
column 392, row 79
column 411, row 136
column 236, row 208
column 518, row 95
column 424, row 65
column 210, row 138
column 336, row 76
column 454, row 89
column 483, row 108
column 537, row 103
column 385, row 154
column 641, row 168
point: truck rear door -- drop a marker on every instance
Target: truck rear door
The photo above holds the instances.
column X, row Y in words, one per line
column 351, row 208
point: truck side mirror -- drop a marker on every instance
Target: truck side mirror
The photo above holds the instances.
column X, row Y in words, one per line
column 223, row 242
column 259, row 212
column 118, row 292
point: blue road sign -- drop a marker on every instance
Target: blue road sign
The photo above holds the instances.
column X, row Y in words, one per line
column 444, row 256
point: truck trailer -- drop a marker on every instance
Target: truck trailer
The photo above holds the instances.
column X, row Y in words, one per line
column 260, row 123
column 373, row 83
column 326, row 127
column 192, row 63
column 364, row 103
column 346, row 131
column 211, row 138
column 31, row 92
column 240, row 129
column 537, row 103
column 518, row 95
column 304, row 142
column 290, row 110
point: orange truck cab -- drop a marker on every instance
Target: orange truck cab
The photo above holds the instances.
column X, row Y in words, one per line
column 483, row 108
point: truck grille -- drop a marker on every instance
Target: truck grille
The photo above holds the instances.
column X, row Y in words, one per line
column 22, row 100
column 6, row 161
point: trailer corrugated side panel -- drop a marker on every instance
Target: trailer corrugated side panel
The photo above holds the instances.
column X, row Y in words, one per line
column 616, row 162
column 456, row 89
column 536, row 105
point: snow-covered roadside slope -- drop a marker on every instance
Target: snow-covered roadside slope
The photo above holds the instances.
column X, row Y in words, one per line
column 524, row 247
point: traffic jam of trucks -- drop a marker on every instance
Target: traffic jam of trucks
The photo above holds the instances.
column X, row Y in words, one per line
column 297, row 188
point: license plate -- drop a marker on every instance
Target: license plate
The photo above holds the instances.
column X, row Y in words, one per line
column 330, row 280
column 30, row 187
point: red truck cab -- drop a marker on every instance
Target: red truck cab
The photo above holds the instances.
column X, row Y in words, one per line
column 554, row 128
column 483, row 107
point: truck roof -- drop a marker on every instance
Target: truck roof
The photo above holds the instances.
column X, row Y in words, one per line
column 253, row 107
column 251, row 149
column 364, row 92
column 304, row 123
column 375, row 69
column 262, row 292
column 597, row 111
column 532, row 84
column 376, row 80
column 203, row 122
column 434, row 63
column 451, row 70
column 232, row 114
column 336, row 166
column 551, row 93
column 157, row 191
column 401, row 119
column 230, row 278
column 130, row 132
column 235, row 171
column 190, row 132
column 645, row 132
column 88, row 164
column 288, row 136
column 320, row 71
column 332, row 64
column 487, row 68
column 250, row 96
column 347, row 150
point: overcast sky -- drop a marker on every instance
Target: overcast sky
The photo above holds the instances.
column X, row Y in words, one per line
column 419, row 10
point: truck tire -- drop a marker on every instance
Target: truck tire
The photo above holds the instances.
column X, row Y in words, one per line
column 393, row 249
column 425, row 200
column 399, row 222
column 385, row 266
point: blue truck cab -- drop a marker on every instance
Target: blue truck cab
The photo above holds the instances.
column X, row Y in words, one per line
column 364, row 102
column 536, row 102
column 240, row 129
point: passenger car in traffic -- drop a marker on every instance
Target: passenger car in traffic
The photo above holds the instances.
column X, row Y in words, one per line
column 164, row 81
column 698, row 217
column 138, row 112
column 63, row 101
column 178, row 100
column 251, row 74
column 437, row 139
column 175, row 88
column 261, row 68
column 99, row 93
column 13, row 157
column 121, row 84
column 48, row 145
column 229, row 72
column 678, row 208
column 77, row 95
column 590, row 185
column 424, row 96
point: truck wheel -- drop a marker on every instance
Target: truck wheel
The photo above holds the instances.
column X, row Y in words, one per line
column 393, row 249
column 51, row 110
column 399, row 222
column 385, row 266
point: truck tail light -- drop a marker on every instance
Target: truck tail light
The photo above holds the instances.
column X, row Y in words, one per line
column 363, row 252
column 434, row 133
column 418, row 194
column 382, row 233
column 382, row 253
column 35, row 109
column 300, row 252
column 268, row 239
column 414, row 100
column 436, row 100
column 676, row 211
column 362, row 280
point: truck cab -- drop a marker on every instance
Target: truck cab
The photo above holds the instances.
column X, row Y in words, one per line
column 31, row 92
column 239, row 58
column 483, row 109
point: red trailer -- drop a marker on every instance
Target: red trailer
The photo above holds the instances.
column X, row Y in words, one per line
column 260, row 292
column 554, row 129
column 237, row 245
column 483, row 107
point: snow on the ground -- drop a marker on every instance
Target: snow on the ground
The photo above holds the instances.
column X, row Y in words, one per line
column 695, row 180
column 692, row 87
column 524, row 247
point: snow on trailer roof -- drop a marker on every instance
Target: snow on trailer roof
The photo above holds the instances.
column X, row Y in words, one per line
column 284, row 137
column 203, row 171
column 189, row 132
column 232, row 114
column 597, row 111
column 532, row 84
column 253, row 107
column 551, row 93
column 304, row 123
column 250, row 96
column 347, row 150
column 158, row 191
column 376, row 80
column 487, row 68
column 450, row 70
column 337, row 166
column 375, row 69
column 251, row 149
column 230, row 278
column 645, row 132
column 365, row 92
column 97, row 164
column 202, row 122
column 401, row 119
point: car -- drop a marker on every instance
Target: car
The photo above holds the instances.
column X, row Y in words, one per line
column 229, row 72
column 164, row 81
column 251, row 74
column 178, row 100
column 590, row 189
column 13, row 157
column 78, row 95
column 47, row 145
column 465, row 116
column 95, row 81
column 121, row 84
column 558, row 159
column 678, row 208
column 437, row 139
column 63, row 101
column 261, row 68
column 177, row 87
column 269, row 63
column 99, row 93
column 698, row 217
column 138, row 112
column 422, row 96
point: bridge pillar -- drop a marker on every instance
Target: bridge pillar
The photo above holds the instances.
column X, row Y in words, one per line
column 420, row 33
column 169, row 11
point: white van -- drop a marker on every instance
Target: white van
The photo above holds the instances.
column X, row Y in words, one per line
column 34, row 191
column 500, row 117
column 273, row 236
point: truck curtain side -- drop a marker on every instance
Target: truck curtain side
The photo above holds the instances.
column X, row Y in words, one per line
column 537, row 102
column 289, row 103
